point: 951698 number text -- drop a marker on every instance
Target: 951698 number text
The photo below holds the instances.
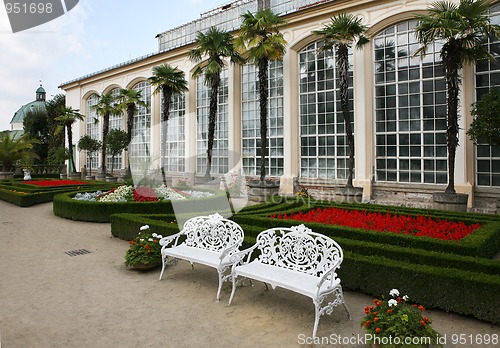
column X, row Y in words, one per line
column 26, row 8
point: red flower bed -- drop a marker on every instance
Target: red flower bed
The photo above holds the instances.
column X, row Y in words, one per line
column 144, row 194
column 55, row 182
column 385, row 222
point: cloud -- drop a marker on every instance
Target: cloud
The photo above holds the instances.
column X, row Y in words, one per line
column 36, row 54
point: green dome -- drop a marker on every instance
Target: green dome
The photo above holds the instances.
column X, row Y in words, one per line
column 23, row 111
column 40, row 89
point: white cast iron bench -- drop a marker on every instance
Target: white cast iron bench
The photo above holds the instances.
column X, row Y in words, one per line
column 208, row 240
column 296, row 259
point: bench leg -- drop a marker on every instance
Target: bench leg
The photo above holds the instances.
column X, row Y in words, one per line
column 163, row 265
column 316, row 319
column 233, row 278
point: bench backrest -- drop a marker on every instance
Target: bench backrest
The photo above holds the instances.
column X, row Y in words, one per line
column 298, row 248
column 212, row 232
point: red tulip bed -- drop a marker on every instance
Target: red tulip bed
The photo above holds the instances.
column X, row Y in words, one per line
column 52, row 183
column 385, row 222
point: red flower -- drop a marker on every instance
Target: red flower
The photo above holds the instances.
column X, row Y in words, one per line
column 422, row 322
column 385, row 222
column 376, row 319
column 421, row 308
column 377, row 329
column 55, row 182
column 389, row 311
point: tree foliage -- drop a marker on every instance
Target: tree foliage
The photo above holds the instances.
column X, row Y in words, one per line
column 485, row 128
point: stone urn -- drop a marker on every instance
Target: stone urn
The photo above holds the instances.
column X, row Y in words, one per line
column 27, row 174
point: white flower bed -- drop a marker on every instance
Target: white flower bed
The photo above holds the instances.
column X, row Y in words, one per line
column 125, row 193
column 121, row 194
column 88, row 196
column 166, row 193
column 199, row 194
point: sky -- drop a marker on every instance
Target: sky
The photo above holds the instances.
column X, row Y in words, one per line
column 94, row 35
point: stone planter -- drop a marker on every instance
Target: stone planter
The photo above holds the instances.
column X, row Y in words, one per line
column 63, row 176
column 498, row 207
column 6, row 175
column 90, row 177
column 111, row 179
column 450, row 201
column 101, row 177
column 261, row 191
column 349, row 195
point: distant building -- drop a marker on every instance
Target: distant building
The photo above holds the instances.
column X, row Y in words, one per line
column 398, row 102
column 16, row 124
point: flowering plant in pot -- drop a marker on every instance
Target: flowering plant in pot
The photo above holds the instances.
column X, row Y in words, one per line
column 397, row 322
column 144, row 251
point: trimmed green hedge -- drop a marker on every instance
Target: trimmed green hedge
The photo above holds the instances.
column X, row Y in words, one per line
column 25, row 195
column 463, row 292
column 434, row 273
column 126, row 226
column 67, row 207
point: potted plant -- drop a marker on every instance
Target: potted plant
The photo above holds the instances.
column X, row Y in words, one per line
column 145, row 250
column 398, row 323
column 91, row 146
column 116, row 142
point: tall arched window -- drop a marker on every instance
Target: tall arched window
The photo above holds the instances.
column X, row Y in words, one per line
column 174, row 159
column 92, row 126
column 115, row 122
column 323, row 146
column 220, row 150
column 250, row 118
column 139, row 151
column 410, row 109
column 488, row 76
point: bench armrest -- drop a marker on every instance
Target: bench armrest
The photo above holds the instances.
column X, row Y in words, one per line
column 333, row 281
column 228, row 251
column 239, row 257
column 165, row 241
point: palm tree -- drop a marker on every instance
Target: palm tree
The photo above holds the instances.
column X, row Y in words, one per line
column 462, row 28
column 344, row 31
column 14, row 150
column 105, row 107
column 67, row 116
column 217, row 46
column 260, row 36
column 129, row 99
column 167, row 80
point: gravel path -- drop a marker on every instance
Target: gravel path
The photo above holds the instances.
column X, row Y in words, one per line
column 49, row 299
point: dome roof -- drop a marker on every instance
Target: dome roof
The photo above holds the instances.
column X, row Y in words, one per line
column 39, row 103
column 20, row 114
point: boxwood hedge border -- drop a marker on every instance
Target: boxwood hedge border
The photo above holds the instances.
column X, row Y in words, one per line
column 25, row 195
column 66, row 207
